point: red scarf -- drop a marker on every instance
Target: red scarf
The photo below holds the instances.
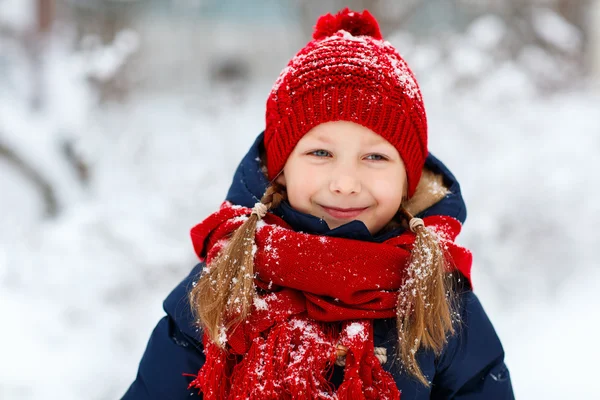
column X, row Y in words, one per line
column 286, row 349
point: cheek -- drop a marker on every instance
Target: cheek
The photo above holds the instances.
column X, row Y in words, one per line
column 296, row 190
column 300, row 187
column 389, row 196
column 387, row 187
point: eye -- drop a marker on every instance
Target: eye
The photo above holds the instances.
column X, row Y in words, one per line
column 320, row 153
column 376, row 157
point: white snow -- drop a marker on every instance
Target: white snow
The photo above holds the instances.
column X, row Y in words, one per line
column 556, row 30
column 355, row 329
column 80, row 294
column 222, row 335
column 260, row 304
column 487, row 31
column 17, row 15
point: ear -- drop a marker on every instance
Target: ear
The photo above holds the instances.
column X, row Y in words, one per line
column 281, row 179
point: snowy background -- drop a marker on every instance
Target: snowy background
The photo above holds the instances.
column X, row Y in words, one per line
column 112, row 145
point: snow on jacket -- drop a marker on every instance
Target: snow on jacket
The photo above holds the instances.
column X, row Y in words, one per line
column 471, row 365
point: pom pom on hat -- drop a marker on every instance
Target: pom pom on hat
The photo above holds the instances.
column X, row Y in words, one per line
column 355, row 23
column 349, row 73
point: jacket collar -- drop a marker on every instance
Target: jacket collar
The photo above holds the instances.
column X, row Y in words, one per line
column 249, row 184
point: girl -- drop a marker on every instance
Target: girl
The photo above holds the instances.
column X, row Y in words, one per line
column 331, row 270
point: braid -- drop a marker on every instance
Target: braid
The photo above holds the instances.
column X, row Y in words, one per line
column 274, row 195
column 224, row 294
column 426, row 301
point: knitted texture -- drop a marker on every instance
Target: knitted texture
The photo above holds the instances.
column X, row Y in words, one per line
column 347, row 72
column 286, row 347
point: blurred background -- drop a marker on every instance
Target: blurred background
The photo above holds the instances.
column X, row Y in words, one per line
column 122, row 121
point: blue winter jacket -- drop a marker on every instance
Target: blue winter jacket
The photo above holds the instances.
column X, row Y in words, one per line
column 470, row 367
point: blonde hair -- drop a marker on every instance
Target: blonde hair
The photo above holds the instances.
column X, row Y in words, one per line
column 426, row 309
column 223, row 296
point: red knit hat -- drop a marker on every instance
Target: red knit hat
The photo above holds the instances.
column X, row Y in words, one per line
column 347, row 72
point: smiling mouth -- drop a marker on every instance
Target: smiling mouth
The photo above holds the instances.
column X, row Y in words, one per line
column 343, row 213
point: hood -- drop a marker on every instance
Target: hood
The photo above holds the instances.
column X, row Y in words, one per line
column 438, row 193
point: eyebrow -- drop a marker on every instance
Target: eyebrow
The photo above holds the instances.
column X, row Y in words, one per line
column 377, row 141
column 372, row 142
column 323, row 139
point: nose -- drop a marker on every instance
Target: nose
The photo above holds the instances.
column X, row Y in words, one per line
column 345, row 183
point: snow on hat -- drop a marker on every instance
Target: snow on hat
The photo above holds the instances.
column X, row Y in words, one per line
column 347, row 72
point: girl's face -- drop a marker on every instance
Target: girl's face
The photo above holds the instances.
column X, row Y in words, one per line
column 341, row 171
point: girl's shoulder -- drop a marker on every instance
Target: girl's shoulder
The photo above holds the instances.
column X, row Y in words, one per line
column 471, row 362
column 177, row 306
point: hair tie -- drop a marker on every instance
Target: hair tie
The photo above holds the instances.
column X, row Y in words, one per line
column 414, row 223
column 341, row 351
column 260, row 210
